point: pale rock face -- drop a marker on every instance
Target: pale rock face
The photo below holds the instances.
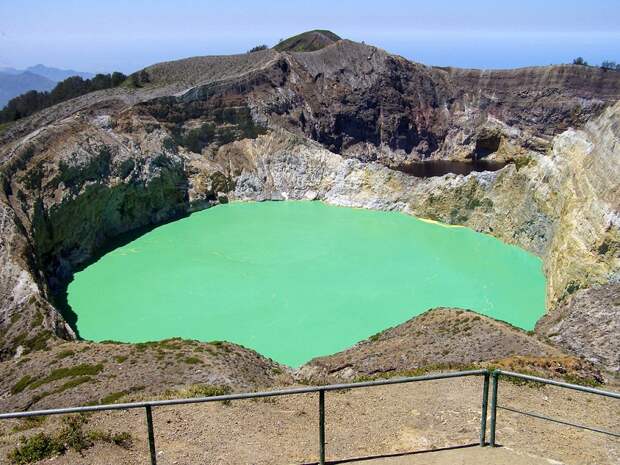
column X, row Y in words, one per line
column 21, row 298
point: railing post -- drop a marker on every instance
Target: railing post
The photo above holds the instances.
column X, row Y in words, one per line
column 151, row 433
column 321, row 427
column 483, row 417
column 495, row 376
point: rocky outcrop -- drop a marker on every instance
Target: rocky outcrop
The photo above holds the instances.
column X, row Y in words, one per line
column 27, row 318
column 330, row 125
column 363, row 102
column 445, row 338
column 588, row 324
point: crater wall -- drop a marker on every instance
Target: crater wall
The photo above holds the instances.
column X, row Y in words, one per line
column 325, row 125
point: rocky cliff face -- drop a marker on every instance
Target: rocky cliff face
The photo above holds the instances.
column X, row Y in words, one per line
column 362, row 102
column 330, row 124
column 588, row 324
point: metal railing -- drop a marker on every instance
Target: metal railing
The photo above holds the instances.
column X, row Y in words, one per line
column 321, row 390
column 575, row 387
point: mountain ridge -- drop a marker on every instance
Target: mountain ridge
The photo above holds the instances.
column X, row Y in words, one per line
column 57, row 74
column 12, row 85
column 14, row 82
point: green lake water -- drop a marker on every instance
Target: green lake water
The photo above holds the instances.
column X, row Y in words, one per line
column 295, row 280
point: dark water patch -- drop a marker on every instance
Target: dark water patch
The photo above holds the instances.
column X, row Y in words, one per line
column 433, row 168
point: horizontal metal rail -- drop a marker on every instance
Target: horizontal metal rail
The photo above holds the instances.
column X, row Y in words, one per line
column 575, row 387
column 247, row 395
column 557, row 420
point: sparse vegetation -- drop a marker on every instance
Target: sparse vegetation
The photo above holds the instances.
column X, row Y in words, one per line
column 608, row 64
column 81, row 374
column 71, row 384
column 123, row 439
column 138, row 79
column 196, row 390
column 36, row 342
column 82, row 370
column 71, row 436
column 37, row 320
column 38, row 447
column 64, row 354
column 116, row 396
column 258, row 48
column 22, row 384
column 574, row 379
column 415, row 372
column 112, row 398
column 28, row 423
column 520, row 381
column 5, row 126
column 196, row 139
column 308, row 41
column 223, row 126
column 175, row 343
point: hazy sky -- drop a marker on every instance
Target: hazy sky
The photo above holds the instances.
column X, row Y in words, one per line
column 125, row 35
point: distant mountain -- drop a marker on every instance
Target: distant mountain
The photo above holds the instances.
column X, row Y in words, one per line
column 11, row 71
column 12, row 85
column 14, row 82
column 56, row 74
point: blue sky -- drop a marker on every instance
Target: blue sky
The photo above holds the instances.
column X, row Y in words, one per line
column 126, row 35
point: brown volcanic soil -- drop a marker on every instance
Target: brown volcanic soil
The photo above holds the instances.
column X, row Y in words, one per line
column 359, row 423
column 448, row 338
column 195, row 70
column 106, row 372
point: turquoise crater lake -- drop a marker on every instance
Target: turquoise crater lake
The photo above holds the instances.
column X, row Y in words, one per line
column 296, row 280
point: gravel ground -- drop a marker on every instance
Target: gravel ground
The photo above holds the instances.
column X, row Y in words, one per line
column 359, row 423
column 469, row 456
